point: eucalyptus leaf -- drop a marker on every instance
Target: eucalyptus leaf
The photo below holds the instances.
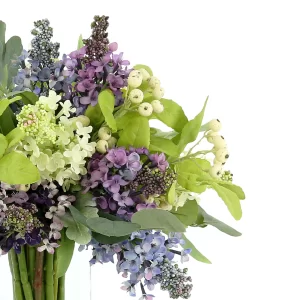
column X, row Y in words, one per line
column 195, row 253
column 106, row 100
column 15, row 168
column 3, row 144
column 158, row 219
column 188, row 213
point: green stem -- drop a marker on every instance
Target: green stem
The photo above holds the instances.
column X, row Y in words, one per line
column 24, row 275
column 18, row 292
column 190, row 151
column 38, row 278
column 11, row 271
column 61, row 288
column 31, row 263
column 55, row 287
column 49, row 288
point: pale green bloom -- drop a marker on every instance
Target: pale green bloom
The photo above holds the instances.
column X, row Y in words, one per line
column 51, row 102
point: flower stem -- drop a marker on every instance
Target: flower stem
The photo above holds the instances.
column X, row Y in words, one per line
column 24, row 275
column 49, row 287
column 38, row 278
column 61, row 288
column 18, row 292
column 31, row 263
column 55, row 278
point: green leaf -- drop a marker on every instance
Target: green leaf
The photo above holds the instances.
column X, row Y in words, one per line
column 191, row 129
column 195, row 253
column 136, row 133
column 4, row 103
column 192, row 175
column 162, row 134
column 106, row 102
column 86, row 205
column 77, row 216
column 173, row 115
column 3, row 144
column 210, row 220
column 15, row 168
column 123, row 120
column 80, row 42
column 2, row 33
column 7, row 121
column 234, row 188
column 158, row 144
column 112, row 228
column 26, row 96
column 230, row 199
column 137, row 67
column 15, row 136
column 171, row 196
column 95, row 115
column 157, row 219
column 4, row 77
column 64, row 254
column 188, row 213
column 104, row 239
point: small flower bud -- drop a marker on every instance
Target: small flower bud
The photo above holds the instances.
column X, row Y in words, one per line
column 84, row 120
column 153, row 82
column 157, row 106
column 158, row 92
column 145, row 109
column 136, row 96
column 135, row 79
column 219, row 141
column 210, row 136
column 104, row 133
column 112, row 142
column 102, row 146
column 215, row 171
column 222, row 155
column 145, row 74
column 214, row 125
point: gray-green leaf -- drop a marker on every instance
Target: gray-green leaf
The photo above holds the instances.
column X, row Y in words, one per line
column 188, row 213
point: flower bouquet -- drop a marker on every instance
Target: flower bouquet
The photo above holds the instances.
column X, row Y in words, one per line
column 80, row 162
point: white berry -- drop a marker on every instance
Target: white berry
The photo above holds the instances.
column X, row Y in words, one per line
column 210, row 136
column 145, row 109
column 214, row 125
column 102, row 146
column 157, row 106
column 145, row 74
column 135, row 79
column 216, row 162
column 215, row 171
column 219, row 142
column 112, row 142
column 84, row 120
column 104, row 133
column 136, row 96
column 153, row 82
column 222, row 155
column 158, row 92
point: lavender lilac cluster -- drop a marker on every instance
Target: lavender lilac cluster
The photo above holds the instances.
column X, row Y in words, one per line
column 30, row 215
column 147, row 258
column 118, row 182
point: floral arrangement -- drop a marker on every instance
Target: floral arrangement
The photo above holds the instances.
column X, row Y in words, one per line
column 81, row 163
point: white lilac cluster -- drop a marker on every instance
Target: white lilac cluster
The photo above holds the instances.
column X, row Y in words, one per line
column 140, row 77
column 57, row 144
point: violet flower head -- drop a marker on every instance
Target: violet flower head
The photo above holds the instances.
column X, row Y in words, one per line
column 44, row 74
column 99, row 65
column 114, row 184
column 133, row 162
column 123, row 199
column 85, row 85
column 115, row 81
column 78, row 54
column 70, row 65
column 18, row 198
column 117, row 156
column 86, row 74
column 92, row 98
column 159, row 160
column 92, row 182
column 102, row 202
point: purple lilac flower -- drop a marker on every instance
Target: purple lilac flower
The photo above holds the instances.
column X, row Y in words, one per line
column 85, row 85
column 150, row 284
column 133, row 162
column 152, row 271
column 86, row 74
column 123, row 199
column 142, row 206
column 102, row 202
column 78, row 54
column 185, row 255
column 117, row 156
column 33, row 238
column 18, row 198
column 159, row 160
column 92, row 98
column 70, row 64
column 132, row 262
column 114, row 184
column 92, row 182
column 118, row 61
column 56, row 80
column 115, row 81
column 99, row 65
column 143, row 249
column 44, row 74
column 128, row 174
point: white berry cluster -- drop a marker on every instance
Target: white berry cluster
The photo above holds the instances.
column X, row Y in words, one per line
column 220, row 147
column 136, row 96
column 106, row 141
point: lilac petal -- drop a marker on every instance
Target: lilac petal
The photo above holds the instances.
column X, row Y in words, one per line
column 115, row 188
column 130, row 255
column 113, row 47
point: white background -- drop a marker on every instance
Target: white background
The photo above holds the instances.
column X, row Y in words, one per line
column 246, row 56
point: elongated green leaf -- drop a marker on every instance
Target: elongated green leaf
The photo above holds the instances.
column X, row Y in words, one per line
column 2, row 33
column 173, row 115
column 86, row 205
column 7, row 121
column 195, row 253
column 234, row 188
column 14, row 137
column 158, row 144
column 171, row 196
column 123, row 120
column 4, row 76
column 80, row 42
column 3, row 144
column 188, row 213
column 15, row 168
column 106, row 102
column 210, row 220
column 95, row 115
column 112, row 228
column 148, row 69
column 158, row 219
column 64, row 254
column 4, row 103
column 136, row 133
column 191, row 130
column 230, row 199
column 26, row 96
column 162, row 134
column 104, row 239
column 78, row 216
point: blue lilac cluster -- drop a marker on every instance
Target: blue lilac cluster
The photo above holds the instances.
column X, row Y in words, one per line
column 115, row 180
column 147, row 258
column 30, row 215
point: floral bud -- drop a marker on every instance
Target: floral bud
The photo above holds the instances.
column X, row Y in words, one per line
column 102, row 146
column 219, row 141
column 215, row 171
column 145, row 74
column 145, row 109
column 165, row 206
column 135, row 79
column 214, row 125
column 136, row 96
column 222, row 155
column 157, row 106
column 153, row 82
column 210, row 136
column 84, row 120
column 104, row 133
column 158, row 92
column 112, row 142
